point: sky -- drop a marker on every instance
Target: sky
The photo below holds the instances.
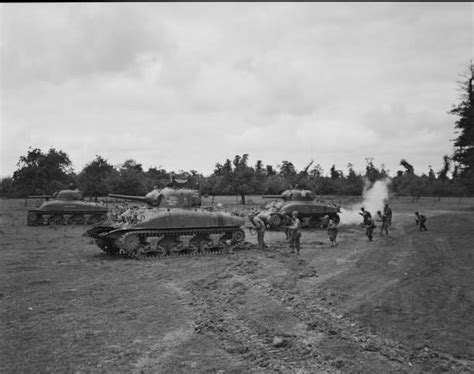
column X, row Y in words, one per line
column 182, row 86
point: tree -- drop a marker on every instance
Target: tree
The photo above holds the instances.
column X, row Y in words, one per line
column 234, row 177
column 132, row 179
column 431, row 174
column 288, row 172
column 443, row 173
column 335, row 174
column 6, row 187
column 95, row 176
column 316, row 172
column 408, row 167
column 243, row 177
column 372, row 173
column 464, row 143
column 270, row 171
column 42, row 173
column 156, row 177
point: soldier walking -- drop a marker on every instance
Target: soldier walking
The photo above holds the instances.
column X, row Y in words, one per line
column 259, row 225
column 384, row 219
column 295, row 233
column 369, row 228
column 387, row 211
column 332, row 232
column 420, row 220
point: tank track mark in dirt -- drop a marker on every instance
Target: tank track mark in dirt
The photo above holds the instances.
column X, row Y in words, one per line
column 135, row 243
column 41, row 218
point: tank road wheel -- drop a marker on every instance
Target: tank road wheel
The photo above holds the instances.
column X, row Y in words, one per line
column 275, row 221
column 169, row 245
column 193, row 248
column 131, row 245
column 161, row 250
column 205, row 246
column 56, row 219
column 34, row 219
column 76, row 219
column 175, row 247
column 107, row 246
column 238, row 236
column 199, row 243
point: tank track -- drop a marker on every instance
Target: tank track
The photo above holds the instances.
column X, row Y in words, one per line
column 135, row 243
column 64, row 218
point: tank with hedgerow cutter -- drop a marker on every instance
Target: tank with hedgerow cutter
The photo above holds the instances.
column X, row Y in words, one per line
column 173, row 223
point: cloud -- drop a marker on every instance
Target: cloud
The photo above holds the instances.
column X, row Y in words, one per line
column 56, row 42
column 190, row 84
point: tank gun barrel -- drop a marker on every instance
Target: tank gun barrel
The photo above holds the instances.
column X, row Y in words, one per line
column 40, row 197
column 271, row 197
column 128, row 197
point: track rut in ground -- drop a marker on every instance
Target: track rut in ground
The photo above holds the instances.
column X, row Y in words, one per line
column 223, row 298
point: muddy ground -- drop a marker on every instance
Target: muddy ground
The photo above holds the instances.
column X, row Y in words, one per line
column 402, row 303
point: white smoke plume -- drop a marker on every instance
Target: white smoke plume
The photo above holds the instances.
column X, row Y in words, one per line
column 374, row 198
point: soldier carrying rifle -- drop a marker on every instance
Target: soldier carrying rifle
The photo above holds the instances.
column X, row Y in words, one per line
column 295, row 233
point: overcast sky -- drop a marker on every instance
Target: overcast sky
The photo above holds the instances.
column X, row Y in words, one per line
column 185, row 85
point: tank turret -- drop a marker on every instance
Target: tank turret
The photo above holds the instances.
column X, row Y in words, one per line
column 167, row 198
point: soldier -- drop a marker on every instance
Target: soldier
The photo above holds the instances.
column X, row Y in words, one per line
column 369, row 228
column 332, row 232
column 260, row 227
column 295, row 234
column 365, row 215
column 325, row 221
column 420, row 221
column 384, row 220
column 387, row 211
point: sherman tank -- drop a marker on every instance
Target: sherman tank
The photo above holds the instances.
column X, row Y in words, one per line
column 66, row 207
column 173, row 223
column 310, row 209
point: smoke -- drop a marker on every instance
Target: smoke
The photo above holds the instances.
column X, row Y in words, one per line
column 374, row 197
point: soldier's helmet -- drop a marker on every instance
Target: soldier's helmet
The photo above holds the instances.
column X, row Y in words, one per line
column 326, row 217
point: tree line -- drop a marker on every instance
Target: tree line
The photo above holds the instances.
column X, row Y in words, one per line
column 41, row 172
column 46, row 172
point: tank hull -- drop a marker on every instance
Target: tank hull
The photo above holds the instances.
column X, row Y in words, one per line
column 66, row 212
column 311, row 214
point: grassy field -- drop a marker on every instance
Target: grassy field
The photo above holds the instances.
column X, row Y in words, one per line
column 402, row 303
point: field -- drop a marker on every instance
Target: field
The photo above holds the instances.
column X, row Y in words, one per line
column 401, row 303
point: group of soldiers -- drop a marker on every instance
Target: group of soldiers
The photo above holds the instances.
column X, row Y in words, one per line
column 386, row 221
column 385, row 218
column 293, row 231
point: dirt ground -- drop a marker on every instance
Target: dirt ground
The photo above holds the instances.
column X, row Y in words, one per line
column 401, row 303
